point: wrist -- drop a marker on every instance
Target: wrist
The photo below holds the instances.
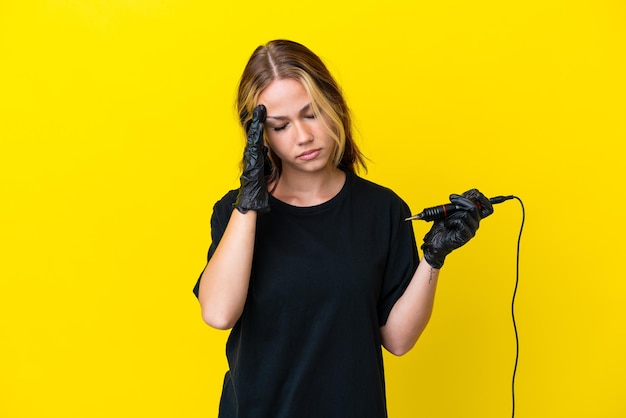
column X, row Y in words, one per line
column 435, row 263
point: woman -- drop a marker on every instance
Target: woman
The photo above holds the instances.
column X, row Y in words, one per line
column 314, row 268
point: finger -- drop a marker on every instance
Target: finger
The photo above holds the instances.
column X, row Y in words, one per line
column 464, row 219
column 462, row 202
column 259, row 113
column 485, row 207
column 254, row 127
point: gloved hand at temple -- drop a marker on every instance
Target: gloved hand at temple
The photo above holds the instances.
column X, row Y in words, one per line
column 253, row 193
column 454, row 231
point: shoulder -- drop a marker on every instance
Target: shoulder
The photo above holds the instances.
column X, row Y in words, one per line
column 377, row 196
column 228, row 199
column 373, row 190
column 224, row 206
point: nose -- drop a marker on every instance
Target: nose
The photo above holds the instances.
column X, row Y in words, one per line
column 303, row 134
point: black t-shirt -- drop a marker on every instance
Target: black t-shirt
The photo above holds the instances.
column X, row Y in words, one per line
column 324, row 279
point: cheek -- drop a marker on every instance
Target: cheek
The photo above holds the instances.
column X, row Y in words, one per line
column 270, row 138
column 323, row 134
column 275, row 143
column 321, row 130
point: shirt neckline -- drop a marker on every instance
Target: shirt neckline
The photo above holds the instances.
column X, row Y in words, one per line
column 281, row 206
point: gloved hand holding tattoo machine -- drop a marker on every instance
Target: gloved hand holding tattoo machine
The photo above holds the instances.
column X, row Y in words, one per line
column 455, row 223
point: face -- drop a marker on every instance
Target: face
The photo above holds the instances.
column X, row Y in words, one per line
column 295, row 134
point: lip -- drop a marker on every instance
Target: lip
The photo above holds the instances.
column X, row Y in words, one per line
column 310, row 154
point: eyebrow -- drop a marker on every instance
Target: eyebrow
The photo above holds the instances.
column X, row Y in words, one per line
column 304, row 109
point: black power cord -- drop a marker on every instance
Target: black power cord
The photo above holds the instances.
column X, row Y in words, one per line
column 440, row 212
column 519, row 241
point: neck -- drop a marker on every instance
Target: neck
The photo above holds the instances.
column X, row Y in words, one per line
column 309, row 189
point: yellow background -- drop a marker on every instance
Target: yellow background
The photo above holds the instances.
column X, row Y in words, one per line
column 118, row 133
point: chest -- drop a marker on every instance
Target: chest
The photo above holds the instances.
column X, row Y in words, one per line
column 330, row 258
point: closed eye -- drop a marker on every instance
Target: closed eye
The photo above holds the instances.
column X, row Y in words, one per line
column 279, row 128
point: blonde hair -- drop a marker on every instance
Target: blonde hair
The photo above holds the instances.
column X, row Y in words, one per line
column 281, row 59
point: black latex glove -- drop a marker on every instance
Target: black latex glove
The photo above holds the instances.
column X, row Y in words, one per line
column 253, row 193
column 456, row 230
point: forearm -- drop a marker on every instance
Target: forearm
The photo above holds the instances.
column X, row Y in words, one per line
column 411, row 313
column 224, row 282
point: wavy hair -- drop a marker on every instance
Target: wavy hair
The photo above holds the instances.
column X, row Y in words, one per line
column 284, row 59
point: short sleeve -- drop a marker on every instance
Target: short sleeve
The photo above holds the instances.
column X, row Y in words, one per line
column 402, row 260
column 219, row 219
